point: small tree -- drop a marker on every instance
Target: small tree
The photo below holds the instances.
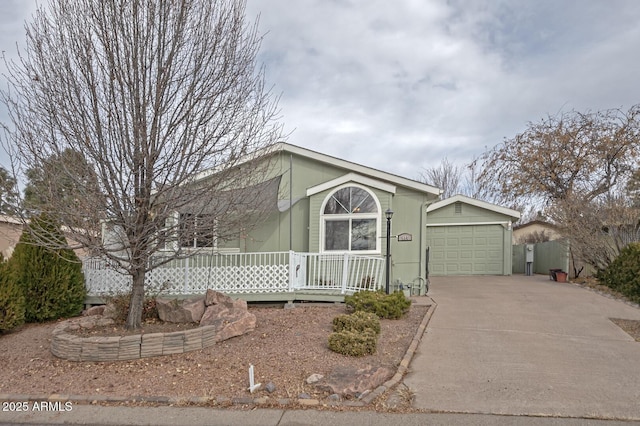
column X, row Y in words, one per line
column 11, row 300
column 51, row 280
column 153, row 94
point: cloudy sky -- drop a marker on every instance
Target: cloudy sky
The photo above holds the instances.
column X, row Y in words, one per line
column 400, row 85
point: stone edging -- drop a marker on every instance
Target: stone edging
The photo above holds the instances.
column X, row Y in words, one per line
column 366, row 399
column 121, row 348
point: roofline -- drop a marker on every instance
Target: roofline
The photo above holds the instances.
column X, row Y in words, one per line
column 351, row 177
column 10, row 219
column 472, row 201
column 535, row 222
column 358, row 168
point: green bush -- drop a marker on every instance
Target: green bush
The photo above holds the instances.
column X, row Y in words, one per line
column 11, row 300
column 353, row 343
column 388, row 306
column 358, row 321
column 51, row 280
column 623, row 274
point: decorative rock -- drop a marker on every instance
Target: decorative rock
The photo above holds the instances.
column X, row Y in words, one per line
column 180, row 311
column 314, row 378
column 213, row 297
column 229, row 317
column 334, row 397
column 304, row 396
column 347, row 381
column 110, row 311
column 270, row 387
column 94, row 310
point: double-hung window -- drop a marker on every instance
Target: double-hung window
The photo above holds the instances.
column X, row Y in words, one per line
column 196, row 231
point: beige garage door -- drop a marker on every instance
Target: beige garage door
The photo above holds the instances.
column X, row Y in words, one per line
column 466, row 250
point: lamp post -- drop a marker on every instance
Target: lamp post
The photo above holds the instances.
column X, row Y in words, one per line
column 388, row 214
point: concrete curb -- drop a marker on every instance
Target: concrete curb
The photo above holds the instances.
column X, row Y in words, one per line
column 221, row 401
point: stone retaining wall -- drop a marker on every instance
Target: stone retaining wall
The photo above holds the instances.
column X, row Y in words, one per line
column 121, row 348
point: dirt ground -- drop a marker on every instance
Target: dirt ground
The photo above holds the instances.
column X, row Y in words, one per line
column 287, row 346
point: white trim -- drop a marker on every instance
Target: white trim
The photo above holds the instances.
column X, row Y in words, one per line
column 467, row 224
column 377, row 216
column 477, row 203
column 351, row 177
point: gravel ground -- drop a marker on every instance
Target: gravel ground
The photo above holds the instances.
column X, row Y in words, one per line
column 286, row 347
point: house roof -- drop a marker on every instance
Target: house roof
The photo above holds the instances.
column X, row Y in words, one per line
column 534, row 222
column 357, row 169
column 10, row 219
column 351, row 177
column 477, row 203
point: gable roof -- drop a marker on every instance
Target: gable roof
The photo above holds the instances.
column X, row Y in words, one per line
column 351, row 177
column 358, row 169
column 514, row 214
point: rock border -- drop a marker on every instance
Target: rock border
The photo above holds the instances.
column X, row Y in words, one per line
column 69, row 346
column 365, row 399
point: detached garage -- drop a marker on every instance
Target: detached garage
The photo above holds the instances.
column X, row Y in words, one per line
column 469, row 237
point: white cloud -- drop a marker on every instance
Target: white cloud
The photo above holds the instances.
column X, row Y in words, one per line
column 400, row 85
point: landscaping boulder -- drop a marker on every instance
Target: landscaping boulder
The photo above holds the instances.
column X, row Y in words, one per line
column 180, row 311
column 352, row 382
column 94, row 310
column 229, row 317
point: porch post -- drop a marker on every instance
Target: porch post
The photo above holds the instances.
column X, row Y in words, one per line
column 345, row 272
column 292, row 270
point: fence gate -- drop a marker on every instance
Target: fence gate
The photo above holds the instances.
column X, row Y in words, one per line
column 297, row 270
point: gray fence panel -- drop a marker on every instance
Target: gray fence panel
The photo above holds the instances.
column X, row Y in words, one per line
column 547, row 255
column 551, row 255
column 517, row 265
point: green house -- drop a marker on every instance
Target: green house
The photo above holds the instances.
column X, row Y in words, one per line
column 329, row 205
column 326, row 231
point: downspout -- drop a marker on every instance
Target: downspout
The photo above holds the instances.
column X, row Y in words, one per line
column 423, row 238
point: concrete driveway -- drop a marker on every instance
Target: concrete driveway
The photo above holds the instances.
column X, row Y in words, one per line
column 526, row 345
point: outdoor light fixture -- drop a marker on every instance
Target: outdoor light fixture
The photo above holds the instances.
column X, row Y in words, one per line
column 388, row 214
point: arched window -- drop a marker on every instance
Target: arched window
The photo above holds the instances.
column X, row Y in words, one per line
column 350, row 220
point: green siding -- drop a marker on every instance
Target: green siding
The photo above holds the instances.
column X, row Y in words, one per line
column 470, row 241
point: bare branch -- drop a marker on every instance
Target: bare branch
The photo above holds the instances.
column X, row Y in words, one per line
column 149, row 93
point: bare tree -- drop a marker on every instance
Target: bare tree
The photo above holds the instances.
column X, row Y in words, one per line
column 446, row 176
column 151, row 93
column 573, row 154
column 575, row 166
column 598, row 229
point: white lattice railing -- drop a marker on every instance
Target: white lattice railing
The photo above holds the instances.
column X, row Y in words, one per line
column 244, row 273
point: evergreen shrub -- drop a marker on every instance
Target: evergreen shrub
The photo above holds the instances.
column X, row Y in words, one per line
column 623, row 274
column 51, row 280
column 358, row 321
column 387, row 306
column 353, row 343
column 11, row 300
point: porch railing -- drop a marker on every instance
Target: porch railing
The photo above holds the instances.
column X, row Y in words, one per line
column 273, row 272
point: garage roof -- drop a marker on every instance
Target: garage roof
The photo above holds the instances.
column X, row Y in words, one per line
column 514, row 214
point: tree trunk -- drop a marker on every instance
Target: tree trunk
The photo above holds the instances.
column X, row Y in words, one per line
column 136, row 303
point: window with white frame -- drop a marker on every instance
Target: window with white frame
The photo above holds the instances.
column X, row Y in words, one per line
column 350, row 220
column 196, row 231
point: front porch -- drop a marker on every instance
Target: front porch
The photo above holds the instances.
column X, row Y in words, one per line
column 256, row 277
